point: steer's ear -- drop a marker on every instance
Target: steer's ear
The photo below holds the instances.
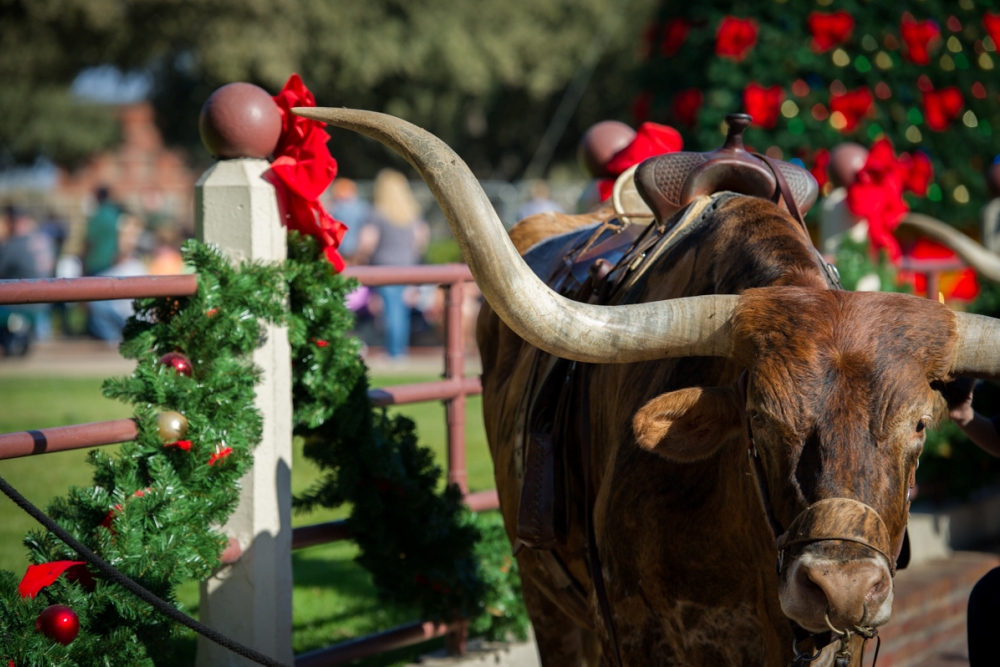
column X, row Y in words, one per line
column 689, row 424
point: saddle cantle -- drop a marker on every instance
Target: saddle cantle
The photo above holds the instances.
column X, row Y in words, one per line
column 670, row 182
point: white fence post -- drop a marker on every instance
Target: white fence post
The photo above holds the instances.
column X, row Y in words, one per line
column 251, row 599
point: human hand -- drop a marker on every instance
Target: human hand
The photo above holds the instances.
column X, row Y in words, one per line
column 958, row 395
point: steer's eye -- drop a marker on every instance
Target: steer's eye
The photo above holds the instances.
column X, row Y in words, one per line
column 921, row 426
column 754, row 415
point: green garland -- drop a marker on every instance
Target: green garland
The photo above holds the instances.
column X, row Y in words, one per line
column 418, row 544
column 162, row 501
column 151, row 507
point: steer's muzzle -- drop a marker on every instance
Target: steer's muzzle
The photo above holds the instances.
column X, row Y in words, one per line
column 837, row 573
column 821, row 593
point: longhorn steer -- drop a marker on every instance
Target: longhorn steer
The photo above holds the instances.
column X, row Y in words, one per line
column 838, row 393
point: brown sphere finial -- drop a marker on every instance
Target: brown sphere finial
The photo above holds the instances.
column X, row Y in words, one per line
column 846, row 160
column 600, row 143
column 240, row 120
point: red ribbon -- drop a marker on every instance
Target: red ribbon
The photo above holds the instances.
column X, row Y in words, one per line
column 39, row 576
column 304, row 165
column 877, row 195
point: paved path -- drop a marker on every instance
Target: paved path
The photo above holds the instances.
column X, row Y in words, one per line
column 91, row 358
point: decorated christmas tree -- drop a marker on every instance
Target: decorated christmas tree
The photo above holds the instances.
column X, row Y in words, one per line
column 814, row 75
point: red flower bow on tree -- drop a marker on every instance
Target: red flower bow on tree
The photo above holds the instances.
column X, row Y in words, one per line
column 642, row 103
column 854, row 105
column 877, row 196
column 735, row 37
column 764, row 104
column 650, row 139
column 992, row 24
column 304, row 165
column 942, row 106
column 918, row 36
column 917, row 172
column 820, row 163
column 675, row 32
column 829, row 30
column 686, row 105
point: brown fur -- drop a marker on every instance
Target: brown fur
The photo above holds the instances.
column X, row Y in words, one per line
column 837, row 383
column 540, row 226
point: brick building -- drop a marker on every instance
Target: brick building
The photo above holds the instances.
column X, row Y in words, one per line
column 142, row 173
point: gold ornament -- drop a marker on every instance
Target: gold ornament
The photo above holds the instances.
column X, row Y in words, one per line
column 172, row 426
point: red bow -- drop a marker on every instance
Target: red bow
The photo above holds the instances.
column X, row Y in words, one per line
column 675, row 32
column 877, row 195
column 764, row 104
column 992, row 24
column 942, row 106
column 39, row 576
column 853, row 104
column 650, row 139
column 686, row 105
column 829, row 30
column 918, row 35
column 735, row 37
column 304, row 165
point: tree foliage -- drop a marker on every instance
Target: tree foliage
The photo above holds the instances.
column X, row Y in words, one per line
column 875, row 56
column 485, row 76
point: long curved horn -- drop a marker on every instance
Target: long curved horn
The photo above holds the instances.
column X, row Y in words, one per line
column 693, row 326
column 977, row 353
column 973, row 254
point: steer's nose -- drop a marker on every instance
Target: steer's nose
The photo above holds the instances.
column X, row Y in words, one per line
column 845, row 590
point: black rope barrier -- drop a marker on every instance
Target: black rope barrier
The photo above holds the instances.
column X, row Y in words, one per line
column 114, row 575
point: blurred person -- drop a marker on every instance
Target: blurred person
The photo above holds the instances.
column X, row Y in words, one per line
column 101, row 244
column 395, row 235
column 353, row 212
column 165, row 258
column 27, row 253
column 539, row 202
column 983, row 611
column 56, row 229
column 107, row 318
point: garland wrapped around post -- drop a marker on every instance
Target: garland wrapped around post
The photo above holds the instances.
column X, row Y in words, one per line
column 153, row 507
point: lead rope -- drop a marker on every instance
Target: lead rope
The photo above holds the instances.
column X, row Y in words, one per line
column 117, row 577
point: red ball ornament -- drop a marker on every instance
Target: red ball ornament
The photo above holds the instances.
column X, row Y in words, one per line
column 59, row 623
column 178, row 362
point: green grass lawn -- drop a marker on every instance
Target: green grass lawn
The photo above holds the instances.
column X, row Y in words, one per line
column 333, row 598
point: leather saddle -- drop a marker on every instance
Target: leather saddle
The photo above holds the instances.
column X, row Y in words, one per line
column 601, row 268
